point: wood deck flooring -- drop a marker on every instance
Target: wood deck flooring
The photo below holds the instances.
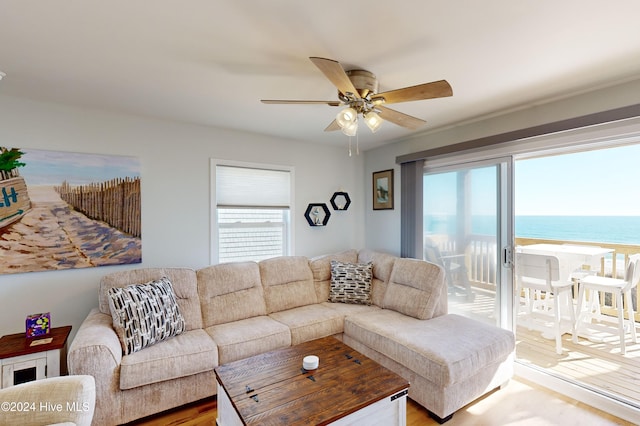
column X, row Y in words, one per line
column 596, row 364
column 599, row 365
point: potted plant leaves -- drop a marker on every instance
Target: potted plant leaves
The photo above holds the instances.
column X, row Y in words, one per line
column 14, row 198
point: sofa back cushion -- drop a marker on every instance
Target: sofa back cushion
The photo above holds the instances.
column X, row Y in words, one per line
column 230, row 292
column 416, row 288
column 287, row 283
column 183, row 281
column 321, row 268
column 382, row 266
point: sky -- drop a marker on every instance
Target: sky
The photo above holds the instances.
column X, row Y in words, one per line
column 603, row 182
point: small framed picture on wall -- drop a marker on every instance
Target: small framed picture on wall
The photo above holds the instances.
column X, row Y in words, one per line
column 383, row 190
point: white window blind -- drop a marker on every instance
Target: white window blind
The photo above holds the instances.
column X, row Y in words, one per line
column 252, row 213
column 244, row 186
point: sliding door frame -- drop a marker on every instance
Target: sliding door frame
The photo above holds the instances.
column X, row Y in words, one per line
column 504, row 227
column 605, row 135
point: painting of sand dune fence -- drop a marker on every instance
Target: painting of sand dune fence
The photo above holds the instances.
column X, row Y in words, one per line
column 61, row 210
column 116, row 202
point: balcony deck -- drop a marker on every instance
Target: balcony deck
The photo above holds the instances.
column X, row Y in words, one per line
column 599, row 365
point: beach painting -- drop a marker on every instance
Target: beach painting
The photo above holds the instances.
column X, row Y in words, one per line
column 65, row 210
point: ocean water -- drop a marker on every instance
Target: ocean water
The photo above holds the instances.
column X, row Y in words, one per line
column 604, row 229
column 607, row 229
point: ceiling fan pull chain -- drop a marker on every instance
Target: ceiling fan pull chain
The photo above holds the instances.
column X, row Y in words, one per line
column 357, row 143
column 349, row 146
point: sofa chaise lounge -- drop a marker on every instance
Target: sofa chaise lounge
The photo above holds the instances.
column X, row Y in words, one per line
column 236, row 310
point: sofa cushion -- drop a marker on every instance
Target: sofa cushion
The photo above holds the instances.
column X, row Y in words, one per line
column 244, row 338
column 310, row 322
column 464, row 346
column 346, row 309
column 321, row 269
column 145, row 314
column 230, row 292
column 382, row 266
column 287, row 283
column 190, row 353
column 184, row 285
column 350, row 282
column 416, row 288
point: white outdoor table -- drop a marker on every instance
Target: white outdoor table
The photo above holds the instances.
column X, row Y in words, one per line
column 570, row 257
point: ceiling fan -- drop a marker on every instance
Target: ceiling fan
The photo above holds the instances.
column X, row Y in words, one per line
column 358, row 92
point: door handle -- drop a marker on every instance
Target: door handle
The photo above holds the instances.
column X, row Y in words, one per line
column 507, row 257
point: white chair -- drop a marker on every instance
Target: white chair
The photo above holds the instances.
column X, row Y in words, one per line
column 538, row 277
column 68, row 400
column 617, row 287
column 456, row 274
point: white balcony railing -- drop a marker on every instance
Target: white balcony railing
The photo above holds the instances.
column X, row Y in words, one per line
column 481, row 258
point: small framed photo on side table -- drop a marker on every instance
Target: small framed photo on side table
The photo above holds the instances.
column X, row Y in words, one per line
column 383, row 190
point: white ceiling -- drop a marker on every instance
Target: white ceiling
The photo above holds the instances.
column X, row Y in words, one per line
column 211, row 61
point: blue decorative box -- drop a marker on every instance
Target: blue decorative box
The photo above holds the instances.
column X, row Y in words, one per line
column 38, row 324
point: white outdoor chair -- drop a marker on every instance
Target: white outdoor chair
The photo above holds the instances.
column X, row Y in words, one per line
column 456, row 274
column 618, row 288
column 538, row 276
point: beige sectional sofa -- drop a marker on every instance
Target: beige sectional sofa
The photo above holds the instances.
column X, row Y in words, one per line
column 236, row 310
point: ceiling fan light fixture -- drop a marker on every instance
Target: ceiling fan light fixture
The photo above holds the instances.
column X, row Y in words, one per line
column 373, row 121
column 358, row 95
column 346, row 116
column 350, row 129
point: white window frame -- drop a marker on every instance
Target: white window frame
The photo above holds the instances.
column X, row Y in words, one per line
column 214, row 242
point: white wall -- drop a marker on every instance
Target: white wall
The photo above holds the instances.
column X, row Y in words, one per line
column 175, row 176
column 175, row 165
column 382, row 228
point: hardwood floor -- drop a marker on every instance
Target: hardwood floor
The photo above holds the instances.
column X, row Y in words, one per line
column 519, row 403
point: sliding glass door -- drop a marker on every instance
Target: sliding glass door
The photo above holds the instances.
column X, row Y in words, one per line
column 468, row 230
column 578, row 207
column 572, row 190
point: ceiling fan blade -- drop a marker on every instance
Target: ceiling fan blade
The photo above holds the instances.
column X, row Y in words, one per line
column 278, row 101
column 400, row 119
column 435, row 89
column 335, row 73
column 333, row 126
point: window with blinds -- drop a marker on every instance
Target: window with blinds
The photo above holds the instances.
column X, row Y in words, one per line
column 252, row 212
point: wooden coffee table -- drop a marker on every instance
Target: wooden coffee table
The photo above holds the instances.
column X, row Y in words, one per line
column 273, row 388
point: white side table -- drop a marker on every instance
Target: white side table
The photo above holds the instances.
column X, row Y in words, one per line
column 21, row 361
